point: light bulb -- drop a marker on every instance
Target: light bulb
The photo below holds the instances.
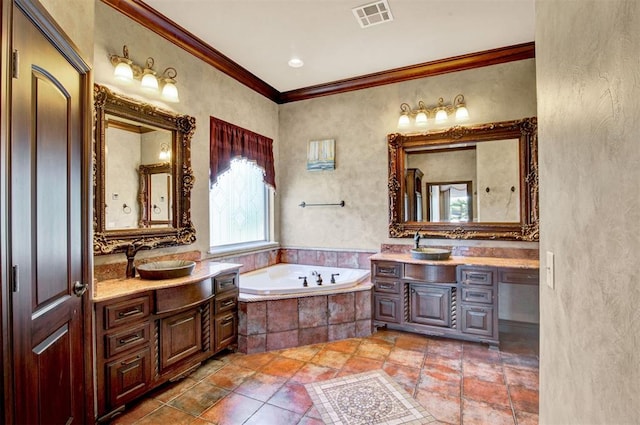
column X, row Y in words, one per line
column 149, row 82
column 404, row 121
column 421, row 119
column 441, row 115
column 123, row 72
column 462, row 113
column 170, row 92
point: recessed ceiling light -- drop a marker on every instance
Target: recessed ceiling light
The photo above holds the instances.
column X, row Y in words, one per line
column 295, row 62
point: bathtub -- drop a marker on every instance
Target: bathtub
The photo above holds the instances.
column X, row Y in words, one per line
column 283, row 278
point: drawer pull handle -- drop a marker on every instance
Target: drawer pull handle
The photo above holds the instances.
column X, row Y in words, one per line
column 227, row 284
column 131, row 339
column 227, row 303
column 227, row 320
column 383, row 286
column 130, row 362
column 475, row 294
column 387, row 270
column 477, row 276
column 129, row 312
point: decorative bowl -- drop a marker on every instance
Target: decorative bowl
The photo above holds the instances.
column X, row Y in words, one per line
column 165, row 269
column 424, row 253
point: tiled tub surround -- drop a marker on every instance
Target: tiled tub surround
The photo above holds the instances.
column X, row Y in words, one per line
column 276, row 322
column 250, row 261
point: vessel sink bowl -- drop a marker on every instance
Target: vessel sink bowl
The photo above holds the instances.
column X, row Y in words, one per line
column 165, row 269
column 424, row 253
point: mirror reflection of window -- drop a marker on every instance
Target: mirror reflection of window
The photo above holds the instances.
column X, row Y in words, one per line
column 450, row 202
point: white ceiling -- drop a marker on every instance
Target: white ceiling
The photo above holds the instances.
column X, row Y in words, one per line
column 262, row 35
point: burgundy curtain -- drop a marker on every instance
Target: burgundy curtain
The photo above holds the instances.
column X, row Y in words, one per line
column 229, row 141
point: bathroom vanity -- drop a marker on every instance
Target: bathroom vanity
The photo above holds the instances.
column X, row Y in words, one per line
column 149, row 332
column 455, row 298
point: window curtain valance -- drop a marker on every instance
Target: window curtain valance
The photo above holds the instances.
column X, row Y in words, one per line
column 229, row 141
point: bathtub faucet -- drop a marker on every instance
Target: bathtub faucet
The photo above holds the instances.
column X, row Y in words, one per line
column 318, row 278
column 304, row 282
column 333, row 277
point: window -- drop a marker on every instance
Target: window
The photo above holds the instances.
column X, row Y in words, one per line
column 239, row 206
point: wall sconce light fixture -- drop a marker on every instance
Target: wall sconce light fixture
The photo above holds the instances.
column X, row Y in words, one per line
column 439, row 113
column 165, row 153
column 126, row 71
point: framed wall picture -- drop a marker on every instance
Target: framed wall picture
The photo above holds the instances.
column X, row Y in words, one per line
column 321, row 155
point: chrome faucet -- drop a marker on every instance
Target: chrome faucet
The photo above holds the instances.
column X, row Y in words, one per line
column 416, row 238
column 318, row 278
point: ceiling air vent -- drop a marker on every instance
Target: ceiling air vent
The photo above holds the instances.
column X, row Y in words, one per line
column 373, row 13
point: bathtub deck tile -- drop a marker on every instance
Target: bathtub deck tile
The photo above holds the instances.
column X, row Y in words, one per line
column 312, row 311
column 256, row 318
column 254, row 343
column 282, row 315
column 342, row 331
column 363, row 305
column 364, row 328
column 341, row 308
column 280, row 340
column 315, row 335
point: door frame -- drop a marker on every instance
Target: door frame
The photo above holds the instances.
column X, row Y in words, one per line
column 38, row 15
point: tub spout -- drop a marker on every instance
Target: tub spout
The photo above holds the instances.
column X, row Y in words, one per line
column 318, row 277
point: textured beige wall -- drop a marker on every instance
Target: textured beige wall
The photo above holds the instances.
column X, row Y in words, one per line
column 204, row 92
column 359, row 122
column 76, row 18
column 588, row 69
column 498, row 170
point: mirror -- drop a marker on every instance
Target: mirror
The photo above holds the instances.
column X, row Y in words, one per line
column 476, row 182
column 142, row 175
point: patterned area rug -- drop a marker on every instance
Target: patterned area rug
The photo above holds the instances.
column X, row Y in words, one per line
column 369, row 398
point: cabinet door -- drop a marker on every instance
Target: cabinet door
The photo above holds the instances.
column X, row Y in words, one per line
column 226, row 330
column 180, row 336
column 387, row 308
column 431, row 305
column 477, row 320
column 128, row 377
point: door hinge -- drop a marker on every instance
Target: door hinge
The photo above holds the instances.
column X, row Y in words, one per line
column 15, row 63
column 14, row 279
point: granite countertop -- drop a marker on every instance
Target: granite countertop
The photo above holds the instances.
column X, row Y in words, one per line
column 516, row 263
column 112, row 288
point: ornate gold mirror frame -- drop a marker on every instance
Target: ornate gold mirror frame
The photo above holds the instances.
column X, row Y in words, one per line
column 524, row 130
column 182, row 127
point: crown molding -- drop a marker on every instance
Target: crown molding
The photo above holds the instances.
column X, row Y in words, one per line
column 166, row 28
column 149, row 18
column 426, row 69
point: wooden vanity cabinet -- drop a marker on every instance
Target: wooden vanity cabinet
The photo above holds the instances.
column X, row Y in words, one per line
column 456, row 301
column 153, row 337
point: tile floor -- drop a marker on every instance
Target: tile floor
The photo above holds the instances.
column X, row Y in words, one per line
column 457, row 382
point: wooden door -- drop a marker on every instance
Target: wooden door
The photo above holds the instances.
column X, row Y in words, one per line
column 46, row 228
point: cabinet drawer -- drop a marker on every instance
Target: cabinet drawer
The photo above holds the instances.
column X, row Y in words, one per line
column 227, row 303
column 477, row 320
column 387, row 269
column 430, row 273
column 182, row 296
column 123, row 312
column 476, row 275
column 477, row 295
column 387, row 308
column 129, row 338
column 388, row 287
column 226, row 282
column 226, row 330
column 519, row 276
column 128, row 377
